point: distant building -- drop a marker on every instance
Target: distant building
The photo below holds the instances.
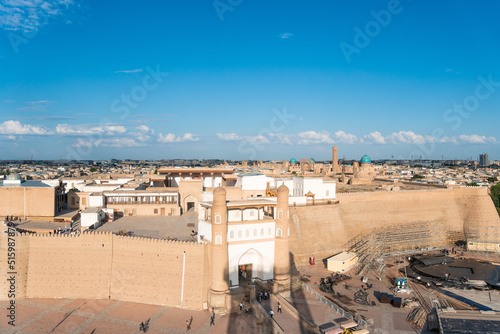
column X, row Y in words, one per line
column 30, row 198
column 484, row 160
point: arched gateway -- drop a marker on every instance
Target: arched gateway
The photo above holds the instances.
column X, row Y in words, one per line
column 249, row 239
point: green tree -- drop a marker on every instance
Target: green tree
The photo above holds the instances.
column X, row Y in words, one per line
column 495, row 196
column 472, row 184
column 492, row 179
column 93, row 169
column 417, row 176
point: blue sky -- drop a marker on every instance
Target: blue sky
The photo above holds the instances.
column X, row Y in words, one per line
column 239, row 79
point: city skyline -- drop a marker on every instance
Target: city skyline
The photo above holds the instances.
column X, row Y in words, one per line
column 248, row 80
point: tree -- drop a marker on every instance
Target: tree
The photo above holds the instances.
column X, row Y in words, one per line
column 418, row 176
column 472, row 184
column 93, row 169
column 492, row 179
column 495, row 196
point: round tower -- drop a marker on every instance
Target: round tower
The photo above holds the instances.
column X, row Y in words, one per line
column 281, row 248
column 219, row 286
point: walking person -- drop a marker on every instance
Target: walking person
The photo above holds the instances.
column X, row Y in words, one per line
column 212, row 320
column 241, row 306
column 271, row 313
column 188, row 325
column 279, row 308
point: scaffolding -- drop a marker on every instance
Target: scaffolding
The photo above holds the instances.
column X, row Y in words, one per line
column 400, row 239
column 483, row 237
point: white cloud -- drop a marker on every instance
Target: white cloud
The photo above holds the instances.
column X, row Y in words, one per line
column 80, row 142
column 107, row 142
column 89, row 129
column 313, row 137
column 476, row 139
column 29, row 15
column 375, row 137
column 258, row 140
column 40, row 102
column 229, row 136
column 16, row 128
column 281, row 138
column 138, row 70
column 171, row 138
column 36, row 105
column 346, row 138
column 406, row 137
column 117, row 142
column 145, row 129
column 285, row 35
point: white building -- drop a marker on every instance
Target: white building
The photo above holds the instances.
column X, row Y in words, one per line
column 250, row 237
column 92, row 217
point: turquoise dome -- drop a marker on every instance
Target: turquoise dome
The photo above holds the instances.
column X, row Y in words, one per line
column 292, row 160
column 366, row 160
column 313, row 160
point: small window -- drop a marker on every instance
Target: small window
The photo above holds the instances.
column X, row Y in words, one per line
column 239, row 234
column 218, row 240
column 231, row 235
column 247, row 233
column 156, row 211
column 254, row 232
column 279, row 232
column 269, row 231
column 262, row 231
column 280, row 214
column 217, row 219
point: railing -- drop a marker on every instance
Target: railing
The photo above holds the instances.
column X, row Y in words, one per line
column 137, row 202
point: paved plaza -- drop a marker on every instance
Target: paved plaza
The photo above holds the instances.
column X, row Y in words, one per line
column 178, row 227
column 109, row 317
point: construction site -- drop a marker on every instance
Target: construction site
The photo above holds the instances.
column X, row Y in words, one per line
column 412, row 278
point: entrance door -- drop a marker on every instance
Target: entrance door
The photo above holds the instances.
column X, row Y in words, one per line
column 190, row 205
column 245, row 272
column 162, row 211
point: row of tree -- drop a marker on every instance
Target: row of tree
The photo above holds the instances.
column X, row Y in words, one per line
column 495, row 196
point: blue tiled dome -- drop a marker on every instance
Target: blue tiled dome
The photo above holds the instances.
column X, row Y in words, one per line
column 366, row 160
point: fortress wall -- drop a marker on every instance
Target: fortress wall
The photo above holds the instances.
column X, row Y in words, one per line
column 101, row 265
column 64, row 266
column 39, row 201
column 21, row 257
column 151, row 271
column 323, row 230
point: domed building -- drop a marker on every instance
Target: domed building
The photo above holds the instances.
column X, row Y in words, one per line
column 13, row 180
column 293, row 162
column 365, row 160
column 363, row 171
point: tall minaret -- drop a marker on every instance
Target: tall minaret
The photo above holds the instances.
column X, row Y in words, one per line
column 281, row 248
column 335, row 161
column 219, row 286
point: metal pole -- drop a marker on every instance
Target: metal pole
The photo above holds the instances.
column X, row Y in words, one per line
column 183, row 271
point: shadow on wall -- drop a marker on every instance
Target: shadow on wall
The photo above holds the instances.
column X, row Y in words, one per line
column 247, row 322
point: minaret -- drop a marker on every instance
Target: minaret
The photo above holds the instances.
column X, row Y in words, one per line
column 335, row 161
column 219, row 286
column 281, row 248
